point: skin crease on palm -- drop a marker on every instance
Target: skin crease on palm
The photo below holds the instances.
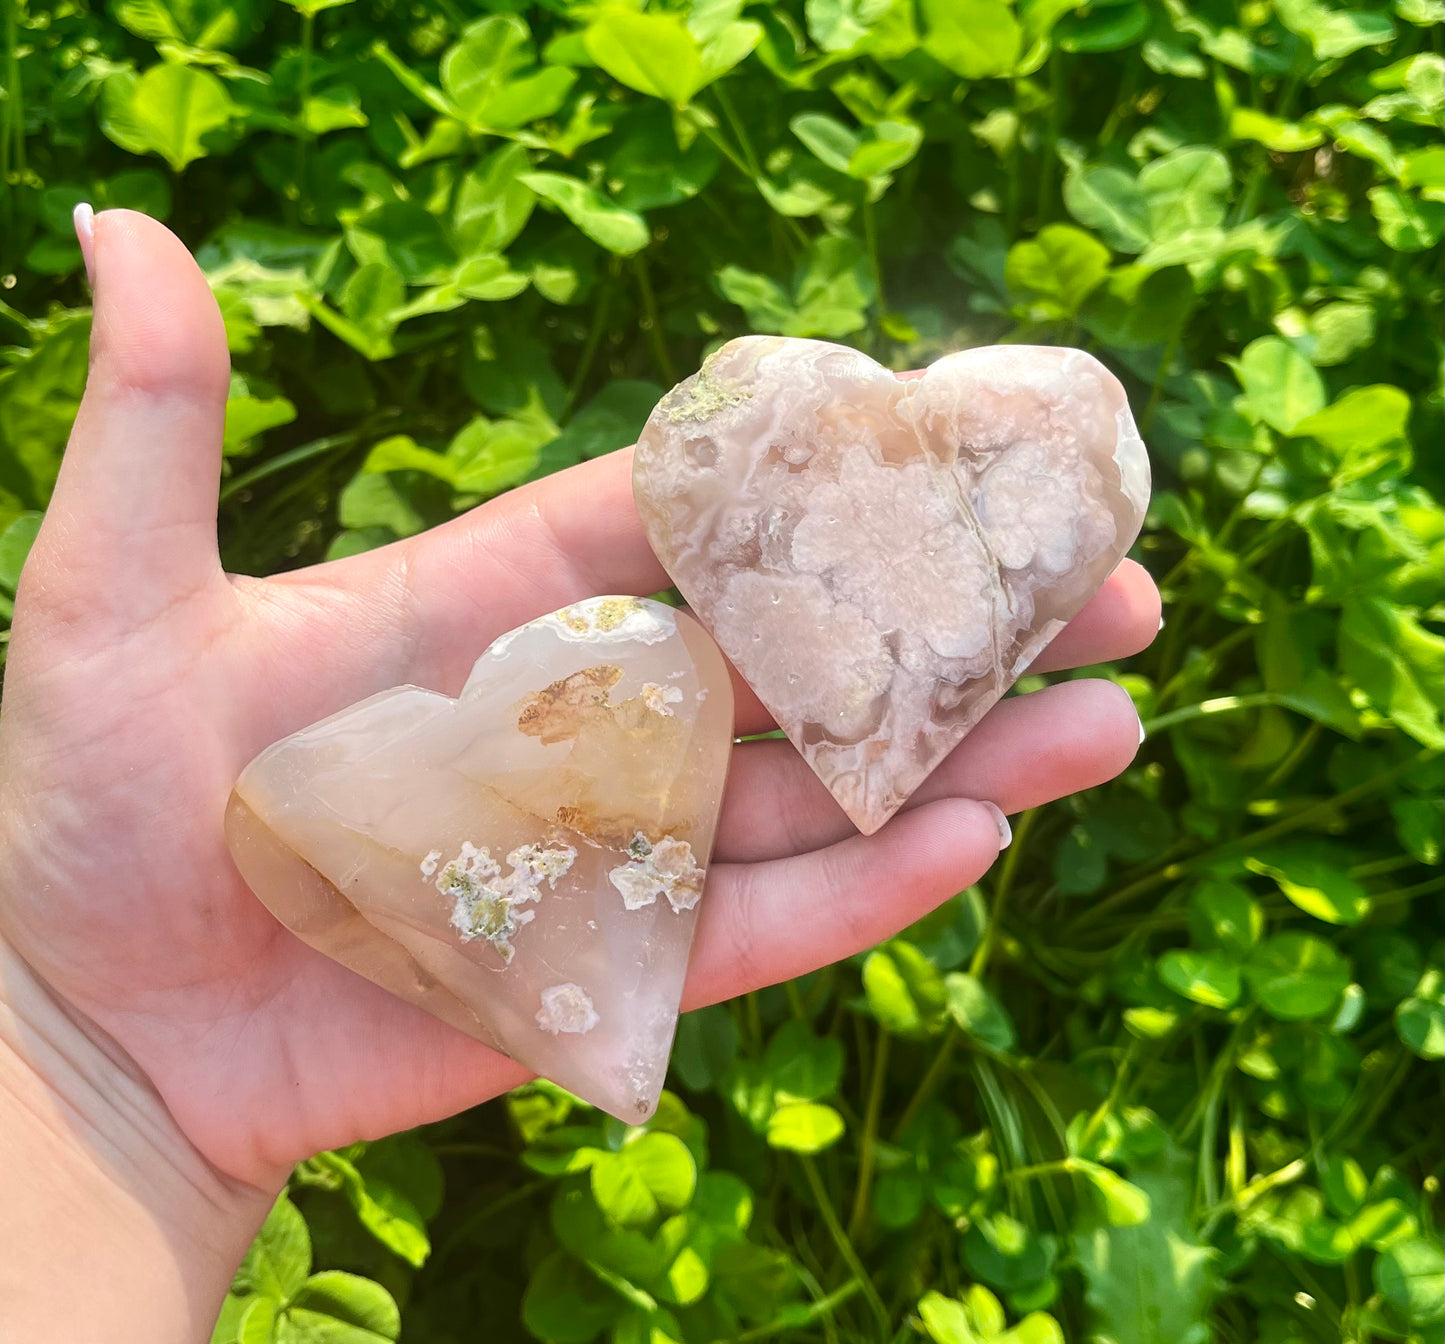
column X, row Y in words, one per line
column 142, row 678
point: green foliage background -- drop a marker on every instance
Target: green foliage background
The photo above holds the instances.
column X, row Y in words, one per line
column 1171, row 1074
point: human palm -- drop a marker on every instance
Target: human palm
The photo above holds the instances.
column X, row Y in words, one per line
column 142, row 678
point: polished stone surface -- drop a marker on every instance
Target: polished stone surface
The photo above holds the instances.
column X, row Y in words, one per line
column 526, row 861
column 880, row 557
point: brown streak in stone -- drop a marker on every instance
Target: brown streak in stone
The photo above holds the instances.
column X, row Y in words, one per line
column 557, row 712
column 614, row 830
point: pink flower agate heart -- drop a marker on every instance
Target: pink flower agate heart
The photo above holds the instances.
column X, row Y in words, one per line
column 882, row 558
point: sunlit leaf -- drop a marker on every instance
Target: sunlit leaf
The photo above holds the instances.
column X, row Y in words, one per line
column 280, row 1257
column 1061, row 267
column 839, row 25
column 978, row 1014
column 1313, row 876
column 1296, row 976
column 804, row 1127
column 347, row 1299
column 1407, row 223
column 1148, row 1283
column 1410, row 1276
column 905, row 990
column 1397, row 663
column 1210, row 978
column 1281, row 387
column 1111, row 202
column 175, row 108
column 652, row 53
column 489, row 75
column 978, row 39
column 1124, row 1205
column 608, row 225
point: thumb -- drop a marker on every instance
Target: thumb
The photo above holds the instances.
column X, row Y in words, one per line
column 131, row 527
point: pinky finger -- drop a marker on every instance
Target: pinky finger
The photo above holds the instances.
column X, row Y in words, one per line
column 767, row 922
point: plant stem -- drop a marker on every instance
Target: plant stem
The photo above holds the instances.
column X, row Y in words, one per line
column 1291, row 761
column 727, row 151
column 1116, row 1091
column 755, row 1021
column 482, row 1217
column 652, row 323
column 1236, row 1165
column 1174, row 871
column 1261, row 1185
column 984, row 950
column 589, row 348
column 1382, row 866
column 12, row 131
column 870, row 237
column 844, row 1245
column 1051, row 137
column 928, row 1083
column 1014, row 170
column 738, row 129
column 1379, row 1098
column 1211, row 659
column 1224, row 704
column 748, row 162
column 1156, row 390
column 1062, row 1166
column 306, row 451
column 1322, row 809
column 1121, row 108
column 866, row 1148
column 308, row 35
column 816, row 1310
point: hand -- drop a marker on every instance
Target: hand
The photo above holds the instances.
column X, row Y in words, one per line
column 142, row 678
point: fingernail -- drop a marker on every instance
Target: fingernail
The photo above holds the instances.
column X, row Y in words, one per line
column 1141, row 732
column 1005, row 831
column 84, row 219
column 1161, row 621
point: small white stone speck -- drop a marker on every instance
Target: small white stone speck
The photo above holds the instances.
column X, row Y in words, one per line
column 658, row 698
column 567, row 1008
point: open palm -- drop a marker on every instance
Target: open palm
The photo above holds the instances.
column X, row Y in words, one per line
column 142, row 678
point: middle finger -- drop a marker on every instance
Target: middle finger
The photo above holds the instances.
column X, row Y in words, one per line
column 1026, row 751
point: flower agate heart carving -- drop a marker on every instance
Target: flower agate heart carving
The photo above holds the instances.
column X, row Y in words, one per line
column 881, row 558
column 525, row 862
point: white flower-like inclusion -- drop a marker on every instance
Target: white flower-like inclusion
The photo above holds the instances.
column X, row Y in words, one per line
column 485, row 902
column 567, row 1008
column 666, row 868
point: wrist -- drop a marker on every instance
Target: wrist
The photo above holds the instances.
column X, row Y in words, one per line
column 115, row 1228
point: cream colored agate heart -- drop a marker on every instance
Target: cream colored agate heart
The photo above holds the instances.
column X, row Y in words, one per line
column 881, row 558
column 525, row 861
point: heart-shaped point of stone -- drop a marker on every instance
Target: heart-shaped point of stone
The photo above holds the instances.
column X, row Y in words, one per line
column 524, row 862
column 881, row 558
